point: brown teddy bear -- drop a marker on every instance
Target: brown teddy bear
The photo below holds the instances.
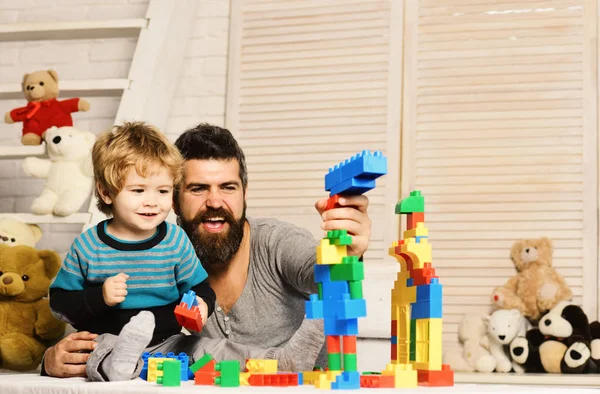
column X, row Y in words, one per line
column 26, row 323
column 537, row 287
column 43, row 109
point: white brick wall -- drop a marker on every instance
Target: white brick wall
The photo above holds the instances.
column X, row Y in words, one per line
column 200, row 94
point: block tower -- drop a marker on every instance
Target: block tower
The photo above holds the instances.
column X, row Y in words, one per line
column 339, row 277
column 416, row 334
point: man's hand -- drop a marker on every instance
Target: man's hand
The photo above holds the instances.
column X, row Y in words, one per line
column 203, row 307
column 114, row 289
column 352, row 216
column 65, row 359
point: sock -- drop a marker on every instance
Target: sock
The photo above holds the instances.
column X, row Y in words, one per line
column 131, row 343
column 302, row 350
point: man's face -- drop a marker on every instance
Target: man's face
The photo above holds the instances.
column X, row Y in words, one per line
column 211, row 209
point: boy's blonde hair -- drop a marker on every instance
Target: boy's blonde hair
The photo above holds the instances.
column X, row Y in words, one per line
column 133, row 144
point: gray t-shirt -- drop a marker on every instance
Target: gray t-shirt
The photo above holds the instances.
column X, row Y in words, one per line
column 280, row 279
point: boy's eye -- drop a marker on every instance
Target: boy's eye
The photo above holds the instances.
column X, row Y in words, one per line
column 164, row 191
column 138, row 190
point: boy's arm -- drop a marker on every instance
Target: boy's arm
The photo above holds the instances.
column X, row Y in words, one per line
column 204, row 291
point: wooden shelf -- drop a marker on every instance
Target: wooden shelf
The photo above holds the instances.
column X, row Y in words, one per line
column 74, row 88
column 76, row 218
column 76, row 30
column 22, row 151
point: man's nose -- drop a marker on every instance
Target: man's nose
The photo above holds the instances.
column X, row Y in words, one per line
column 214, row 199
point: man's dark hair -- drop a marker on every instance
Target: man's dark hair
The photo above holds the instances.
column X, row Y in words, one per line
column 206, row 142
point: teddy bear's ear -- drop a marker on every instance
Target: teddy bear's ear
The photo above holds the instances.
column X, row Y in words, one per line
column 546, row 243
column 53, row 74
column 36, row 230
column 51, row 262
column 515, row 251
column 25, row 76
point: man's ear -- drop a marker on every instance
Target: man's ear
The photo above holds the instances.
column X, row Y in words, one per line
column 246, row 193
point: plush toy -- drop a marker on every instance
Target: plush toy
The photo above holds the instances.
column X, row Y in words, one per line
column 537, row 287
column 14, row 232
column 26, row 323
column 68, row 172
column 474, row 355
column 564, row 342
column 43, row 109
column 504, row 326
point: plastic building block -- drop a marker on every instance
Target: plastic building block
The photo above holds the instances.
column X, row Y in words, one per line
column 347, row 380
column 362, row 168
column 322, row 273
column 339, row 237
column 445, row 377
column 205, row 378
column 229, row 373
column 334, row 361
column 189, row 318
column 330, row 254
column 349, row 344
column 333, row 202
column 262, row 366
column 334, row 344
column 414, row 203
column 348, row 271
column 413, row 218
column 376, row 381
column 171, row 373
column 350, row 362
column 283, row 379
column 404, row 375
column 314, row 307
column 199, row 364
column 190, row 299
column 355, row 288
column 429, row 292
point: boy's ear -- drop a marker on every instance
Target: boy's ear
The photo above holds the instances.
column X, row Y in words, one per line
column 103, row 193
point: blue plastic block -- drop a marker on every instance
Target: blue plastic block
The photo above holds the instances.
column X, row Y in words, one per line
column 351, row 309
column 418, row 238
column 341, row 327
column 365, row 165
column 185, row 366
column 409, row 282
column 300, row 378
column 144, row 372
column 347, row 380
column 430, row 292
column 190, row 299
column 353, row 186
column 427, row 309
column 434, row 281
column 322, row 273
column 394, row 340
column 335, row 290
column 314, row 307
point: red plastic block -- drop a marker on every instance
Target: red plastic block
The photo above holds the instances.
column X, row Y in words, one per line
column 333, row 344
column 333, row 202
column 394, row 327
column 205, row 378
column 413, row 218
column 377, row 381
column 394, row 351
column 188, row 318
column 349, row 344
column 445, row 377
column 282, row 379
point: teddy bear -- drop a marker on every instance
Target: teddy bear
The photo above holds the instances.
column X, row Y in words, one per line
column 14, row 232
column 537, row 287
column 26, row 322
column 564, row 342
column 474, row 355
column 68, row 171
column 504, row 325
column 43, row 110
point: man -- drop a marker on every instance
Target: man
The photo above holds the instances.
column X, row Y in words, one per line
column 260, row 269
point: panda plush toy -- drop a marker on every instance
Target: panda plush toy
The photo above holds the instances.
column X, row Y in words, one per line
column 564, row 342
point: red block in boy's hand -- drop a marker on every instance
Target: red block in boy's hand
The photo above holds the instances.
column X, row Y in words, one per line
column 189, row 318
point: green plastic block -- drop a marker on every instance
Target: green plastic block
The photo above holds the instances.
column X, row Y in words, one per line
column 230, row 373
column 414, row 203
column 320, row 291
column 350, row 363
column 347, row 272
column 171, row 373
column 355, row 287
column 334, row 361
column 371, row 373
column 413, row 340
column 200, row 363
column 349, row 259
column 339, row 237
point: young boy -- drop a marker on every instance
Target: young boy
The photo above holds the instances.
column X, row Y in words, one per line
column 123, row 277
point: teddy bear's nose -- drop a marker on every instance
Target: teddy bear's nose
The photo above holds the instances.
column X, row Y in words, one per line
column 547, row 322
column 501, row 337
column 56, row 139
column 527, row 250
column 29, row 87
column 7, row 280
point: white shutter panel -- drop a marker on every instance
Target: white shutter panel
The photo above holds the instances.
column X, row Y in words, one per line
column 500, row 136
column 309, row 87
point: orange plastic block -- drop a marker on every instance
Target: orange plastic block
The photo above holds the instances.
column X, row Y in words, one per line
column 333, row 344
column 333, row 202
column 208, row 367
column 349, row 344
column 205, row 378
column 273, row 379
column 445, row 377
column 377, row 381
column 188, row 318
column 413, row 218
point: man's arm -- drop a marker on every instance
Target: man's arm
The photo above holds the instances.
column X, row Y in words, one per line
column 67, row 358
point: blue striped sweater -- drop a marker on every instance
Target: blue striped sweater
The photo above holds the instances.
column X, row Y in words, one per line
column 161, row 269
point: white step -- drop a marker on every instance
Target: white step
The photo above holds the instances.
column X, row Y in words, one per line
column 74, row 88
column 72, row 30
column 22, row 151
column 76, row 218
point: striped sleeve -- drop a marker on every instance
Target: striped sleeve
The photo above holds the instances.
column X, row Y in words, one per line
column 188, row 272
column 70, row 276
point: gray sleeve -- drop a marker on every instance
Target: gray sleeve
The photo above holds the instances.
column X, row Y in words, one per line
column 225, row 349
column 294, row 251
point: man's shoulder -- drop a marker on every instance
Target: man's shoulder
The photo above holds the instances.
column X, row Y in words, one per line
column 271, row 230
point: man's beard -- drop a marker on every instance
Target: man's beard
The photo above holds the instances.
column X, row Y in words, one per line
column 215, row 250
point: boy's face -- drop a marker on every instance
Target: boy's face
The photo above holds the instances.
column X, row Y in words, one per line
column 142, row 204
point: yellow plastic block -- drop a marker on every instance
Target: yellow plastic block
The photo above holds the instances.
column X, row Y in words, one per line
column 310, row 377
column 330, row 254
column 323, row 383
column 244, row 376
column 418, row 253
column 419, row 231
column 429, row 344
column 153, row 371
column 404, row 375
column 264, row 366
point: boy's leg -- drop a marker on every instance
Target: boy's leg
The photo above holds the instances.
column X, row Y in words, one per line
column 119, row 356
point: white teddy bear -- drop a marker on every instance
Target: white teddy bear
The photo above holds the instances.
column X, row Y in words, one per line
column 504, row 326
column 474, row 355
column 68, row 173
column 14, row 232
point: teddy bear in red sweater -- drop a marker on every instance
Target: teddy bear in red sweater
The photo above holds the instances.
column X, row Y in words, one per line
column 43, row 109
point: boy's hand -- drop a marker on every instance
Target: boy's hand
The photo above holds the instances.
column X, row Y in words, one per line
column 203, row 309
column 114, row 289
